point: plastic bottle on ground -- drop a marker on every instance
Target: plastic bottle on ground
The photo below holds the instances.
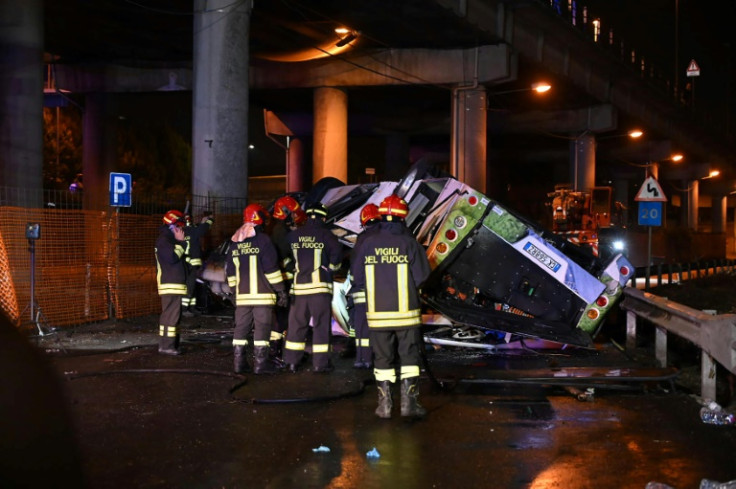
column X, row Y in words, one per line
column 716, row 416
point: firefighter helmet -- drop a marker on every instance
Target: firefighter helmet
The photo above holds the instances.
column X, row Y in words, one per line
column 174, row 217
column 299, row 217
column 317, row 210
column 369, row 213
column 395, row 206
column 255, row 214
column 284, row 206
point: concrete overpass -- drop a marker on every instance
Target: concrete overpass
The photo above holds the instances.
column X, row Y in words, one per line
column 464, row 50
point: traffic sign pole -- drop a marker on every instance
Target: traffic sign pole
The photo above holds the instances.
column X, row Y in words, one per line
column 650, row 198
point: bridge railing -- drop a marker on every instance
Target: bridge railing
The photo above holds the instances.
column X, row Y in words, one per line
column 715, row 335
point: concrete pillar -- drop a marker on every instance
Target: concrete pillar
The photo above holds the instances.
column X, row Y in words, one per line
column 693, row 199
column 21, row 97
column 469, row 139
column 99, row 148
column 295, row 166
column 220, row 98
column 582, row 164
column 719, row 213
column 330, row 153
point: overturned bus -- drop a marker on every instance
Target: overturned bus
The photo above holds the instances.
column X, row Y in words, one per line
column 493, row 271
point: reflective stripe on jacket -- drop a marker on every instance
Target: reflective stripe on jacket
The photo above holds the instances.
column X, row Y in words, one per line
column 253, row 271
column 170, row 272
column 317, row 253
column 394, row 264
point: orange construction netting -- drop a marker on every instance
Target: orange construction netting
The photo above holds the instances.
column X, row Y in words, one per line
column 87, row 266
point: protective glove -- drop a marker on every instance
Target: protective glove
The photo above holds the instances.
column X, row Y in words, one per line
column 282, row 299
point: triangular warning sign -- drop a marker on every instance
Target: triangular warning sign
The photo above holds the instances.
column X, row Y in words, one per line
column 693, row 69
column 650, row 191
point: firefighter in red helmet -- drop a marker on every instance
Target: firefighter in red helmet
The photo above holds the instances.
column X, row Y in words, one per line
column 317, row 254
column 287, row 215
column 369, row 218
column 171, row 279
column 252, row 269
column 393, row 265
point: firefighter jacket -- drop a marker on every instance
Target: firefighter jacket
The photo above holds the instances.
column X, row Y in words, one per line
column 253, row 272
column 279, row 235
column 193, row 236
column 357, row 290
column 317, row 253
column 170, row 272
column 394, row 265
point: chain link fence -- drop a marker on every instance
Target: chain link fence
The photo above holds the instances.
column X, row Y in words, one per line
column 89, row 266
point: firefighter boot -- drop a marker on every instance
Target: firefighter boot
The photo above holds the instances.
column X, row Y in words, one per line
column 385, row 403
column 261, row 363
column 167, row 345
column 240, row 362
column 409, row 403
column 276, row 352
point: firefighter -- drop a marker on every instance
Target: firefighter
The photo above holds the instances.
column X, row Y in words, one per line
column 253, row 272
column 369, row 218
column 193, row 235
column 171, row 279
column 287, row 216
column 394, row 265
column 317, row 254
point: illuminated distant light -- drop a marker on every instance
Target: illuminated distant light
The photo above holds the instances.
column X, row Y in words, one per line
column 596, row 30
column 250, row 146
column 636, row 133
column 619, row 245
column 713, row 173
column 677, row 157
column 342, row 31
column 541, row 87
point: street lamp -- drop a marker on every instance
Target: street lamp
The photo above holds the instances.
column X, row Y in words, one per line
column 538, row 87
column 711, row 174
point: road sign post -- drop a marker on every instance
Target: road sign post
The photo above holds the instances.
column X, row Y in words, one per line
column 650, row 198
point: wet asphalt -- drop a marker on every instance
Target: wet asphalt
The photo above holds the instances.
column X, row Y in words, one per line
column 527, row 418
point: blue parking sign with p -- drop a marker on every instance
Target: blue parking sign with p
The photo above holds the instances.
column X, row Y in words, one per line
column 121, row 187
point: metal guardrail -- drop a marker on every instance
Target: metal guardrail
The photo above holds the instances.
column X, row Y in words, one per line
column 671, row 273
column 715, row 335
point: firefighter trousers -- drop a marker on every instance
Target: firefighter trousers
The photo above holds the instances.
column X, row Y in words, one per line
column 257, row 319
column 402, row 344
column 169, row 320
column 318, row 307
column 363, row 353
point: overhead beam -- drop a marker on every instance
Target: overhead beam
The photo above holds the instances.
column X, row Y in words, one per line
column 539, row 35
column 389, row 67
